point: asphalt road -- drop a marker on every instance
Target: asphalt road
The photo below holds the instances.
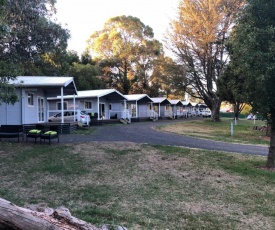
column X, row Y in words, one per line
column 144, row 132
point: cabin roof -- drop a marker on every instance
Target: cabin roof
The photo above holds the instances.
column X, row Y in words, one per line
column 47, row 82
column 175, row 102
column 160, row 100
column 138, row 97
column 109, row 94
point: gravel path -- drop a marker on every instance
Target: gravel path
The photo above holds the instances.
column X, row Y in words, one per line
column 143, row 132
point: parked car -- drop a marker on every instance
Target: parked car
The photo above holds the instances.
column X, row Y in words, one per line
column 69, row 117
column 251, row 117
column 206, row 113
column 192, row 113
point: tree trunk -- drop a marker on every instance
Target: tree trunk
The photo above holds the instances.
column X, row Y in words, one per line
column 271, row 152
column 14, row 217
column 236, row 110
column 215, row 110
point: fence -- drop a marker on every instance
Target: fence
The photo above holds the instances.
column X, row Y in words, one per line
column 231, row 115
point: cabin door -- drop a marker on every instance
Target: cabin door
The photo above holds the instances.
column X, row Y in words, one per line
column 134, row 110
column 41, row 113
column 102, row 110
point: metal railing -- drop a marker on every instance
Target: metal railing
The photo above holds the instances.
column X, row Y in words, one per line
column 126, row 115
column 168, row 113
column 153, row 115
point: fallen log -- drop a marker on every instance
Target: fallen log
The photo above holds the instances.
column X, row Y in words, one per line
column 39, row 218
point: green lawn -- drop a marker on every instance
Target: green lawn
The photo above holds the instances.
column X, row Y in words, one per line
column 243, row 131
column 141, row 186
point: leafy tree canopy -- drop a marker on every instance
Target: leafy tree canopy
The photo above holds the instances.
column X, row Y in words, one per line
column 126, row 48
column 86, row 58
column 254, row 53
column 232, row 89
column 86, row 76
column 27, row 36
column 171, row 78
column 254, row 59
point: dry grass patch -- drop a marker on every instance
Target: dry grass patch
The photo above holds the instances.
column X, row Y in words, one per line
column 220, row 131
column 142, row 186
column 188, row 127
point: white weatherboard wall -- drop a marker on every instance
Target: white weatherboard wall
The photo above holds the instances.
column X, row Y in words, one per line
column 162, row 109
column 117, row 108
column 3, row 114
column 143, row 110
column 95, row 107
column 31, row 113
column 21, row 112
column 80, row 104
column 39, row 86
column 11, row 114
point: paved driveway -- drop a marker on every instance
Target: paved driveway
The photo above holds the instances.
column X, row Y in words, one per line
column 143, row 132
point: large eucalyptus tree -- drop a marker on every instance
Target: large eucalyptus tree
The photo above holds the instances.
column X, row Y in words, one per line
column 197, row 39
column 126, row 48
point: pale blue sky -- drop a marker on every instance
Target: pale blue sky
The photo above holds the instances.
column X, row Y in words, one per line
column 83, row 17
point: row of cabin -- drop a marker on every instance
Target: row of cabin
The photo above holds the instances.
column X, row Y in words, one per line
column 42, row 97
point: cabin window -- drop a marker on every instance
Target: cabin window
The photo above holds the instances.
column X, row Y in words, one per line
column 127, row 106
column 167, row 107
column 110, row 106
column 88, row 105
column 65, row 105
column 30, row 99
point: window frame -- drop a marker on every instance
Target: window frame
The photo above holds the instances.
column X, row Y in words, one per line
column 89, row 102
column 58, row 105
column 123, row 105
column 30, row 99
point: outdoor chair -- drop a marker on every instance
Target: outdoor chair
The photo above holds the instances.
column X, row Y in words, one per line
column 93, row 115
column 35, row 133
column 51, row 134
column 11, row 131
